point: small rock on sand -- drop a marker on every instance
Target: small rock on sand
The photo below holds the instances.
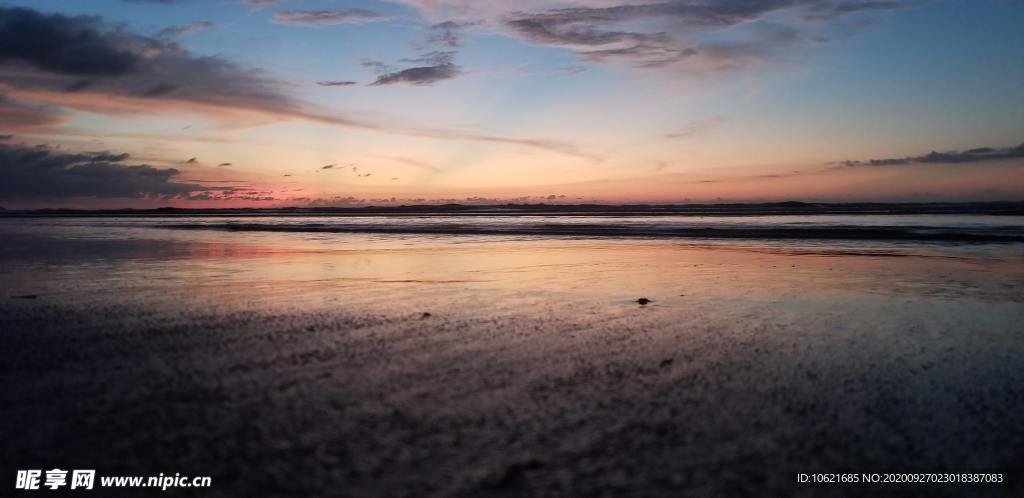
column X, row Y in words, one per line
column 643, row 301
column 516, row 470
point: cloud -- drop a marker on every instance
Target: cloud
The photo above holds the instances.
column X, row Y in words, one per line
column 186, row 29
column 259, row 4
column 594, row 33
column 647, row 33
column 63, row 56
column 41, row 173
column 326, row 17
column 52, row 61
column 336, row 83
column 438, row 66
column 414, row 163
column 69, row 45
column 980, row 154
column 831, row 10
column 446, row 34
column 431, row 67
column 21, row 116
column 698, row 127
column 223, row 165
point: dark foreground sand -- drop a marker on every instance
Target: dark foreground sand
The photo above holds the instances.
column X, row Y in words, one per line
column 542, row 379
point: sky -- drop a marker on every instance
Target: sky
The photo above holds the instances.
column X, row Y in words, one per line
column 263, row 103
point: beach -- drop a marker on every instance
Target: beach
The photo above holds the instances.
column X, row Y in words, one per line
column 355, row 363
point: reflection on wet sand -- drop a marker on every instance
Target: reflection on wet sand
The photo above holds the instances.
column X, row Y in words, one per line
column 413, row 365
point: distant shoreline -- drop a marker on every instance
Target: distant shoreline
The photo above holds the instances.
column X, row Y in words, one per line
column 1004, row 208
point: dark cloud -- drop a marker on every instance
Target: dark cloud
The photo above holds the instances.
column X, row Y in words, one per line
column 223, row 165
column 68, row 45
column 159, row 90
column 437, row 66
column 187, row 29
column 329, row 166
column 423, row 75
column 336, row 83
column 980, row 154
column 71, row 54
column 192, row 160
column 326, row 17
column 42, row 173
column 78, row 86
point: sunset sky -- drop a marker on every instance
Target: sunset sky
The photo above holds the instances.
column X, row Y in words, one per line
column 235, row 103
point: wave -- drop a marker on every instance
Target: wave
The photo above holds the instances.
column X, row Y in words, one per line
column 921, row 233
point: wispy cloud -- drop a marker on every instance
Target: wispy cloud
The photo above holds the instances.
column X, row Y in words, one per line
column 414, row 163
column 647, row 33
column 259, row 4
column 21, row 116
column 187, row 29
column 980, row 154
column 337, row 83
column 447, row 33
column 327, row 17
column 698, row 127
column 832, row 10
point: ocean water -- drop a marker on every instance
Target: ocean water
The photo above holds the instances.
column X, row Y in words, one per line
column 957, row 235
column 605, row 257
column 897, row 226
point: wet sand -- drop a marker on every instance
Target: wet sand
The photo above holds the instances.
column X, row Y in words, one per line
column 504, row 367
